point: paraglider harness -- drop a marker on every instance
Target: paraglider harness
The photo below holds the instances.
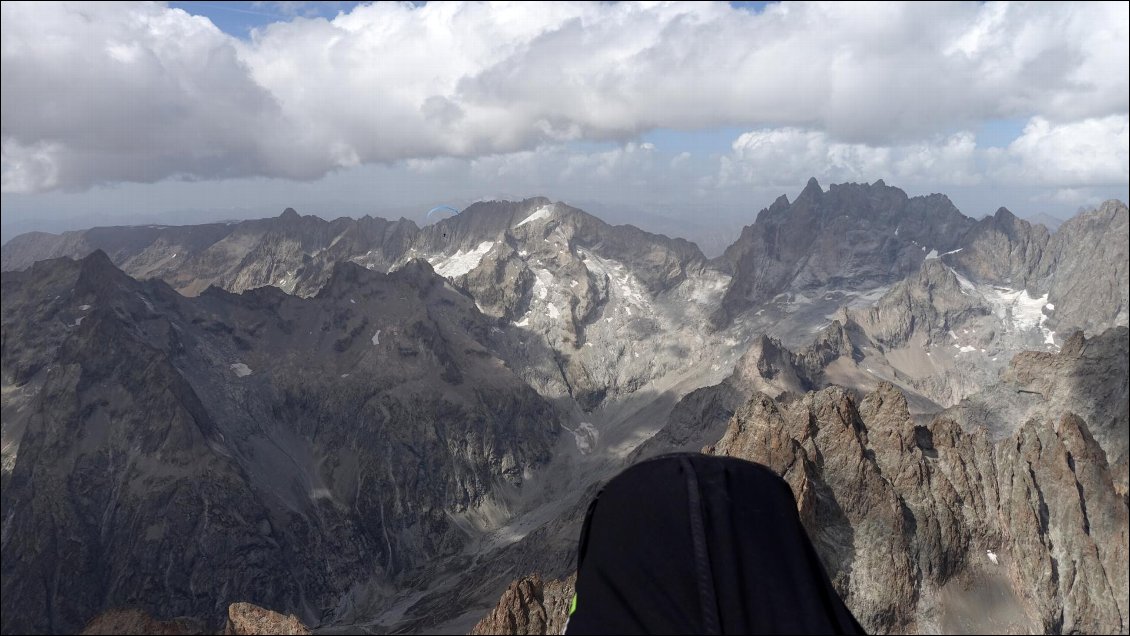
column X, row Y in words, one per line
column 696, row 544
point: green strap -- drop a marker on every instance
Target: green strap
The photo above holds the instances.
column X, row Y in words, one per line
column 573, row 605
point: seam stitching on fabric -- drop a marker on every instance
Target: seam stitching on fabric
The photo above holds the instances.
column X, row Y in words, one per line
column 703, row 571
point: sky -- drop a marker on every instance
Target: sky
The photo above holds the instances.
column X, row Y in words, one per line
column 685, row 118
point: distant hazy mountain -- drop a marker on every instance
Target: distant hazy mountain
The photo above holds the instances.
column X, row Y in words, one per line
column 1047, row 220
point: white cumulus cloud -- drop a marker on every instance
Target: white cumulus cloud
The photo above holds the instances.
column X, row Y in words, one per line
column 101, row 93
column 783, row 157
column 1089, row 152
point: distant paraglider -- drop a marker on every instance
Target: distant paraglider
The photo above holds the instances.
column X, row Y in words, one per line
column 441, row 212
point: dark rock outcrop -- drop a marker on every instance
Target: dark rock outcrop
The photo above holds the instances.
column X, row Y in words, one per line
column 179, row 454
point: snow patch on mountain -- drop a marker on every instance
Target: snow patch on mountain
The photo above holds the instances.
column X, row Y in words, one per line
column 1018, row 310
column 624, row 286
column 543, row 281
column 585, row 436
column 544, row 212
column 708, row 289
column 1015, row 307
column 460, row 262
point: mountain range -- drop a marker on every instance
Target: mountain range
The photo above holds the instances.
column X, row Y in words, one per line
column 378, row 426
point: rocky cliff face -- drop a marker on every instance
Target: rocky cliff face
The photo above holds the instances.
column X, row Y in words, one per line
column 913, row 521
column 1087, row 378
column 1081, row 269
column 1005, row 250
column 180, row 454
column 978, row 520
column 1090, row 283
column 853, row 236
column 530, row 606
column 929, row 304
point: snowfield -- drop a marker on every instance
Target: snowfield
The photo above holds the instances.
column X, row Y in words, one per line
column 544, row 212
column 461, row 262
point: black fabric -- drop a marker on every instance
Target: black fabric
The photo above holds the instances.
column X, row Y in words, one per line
column 696, row 544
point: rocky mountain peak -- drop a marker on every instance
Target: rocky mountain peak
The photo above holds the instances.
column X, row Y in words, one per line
column 780, row 202
column 499, row 215
column 811, row 191
column 418, row 272
column 346, row 277
column 1112, row 209
column 98, row 263
column 1004, row 216
column 506, row 206
column 852, row 236
column 98, row 275
column 1088, row 270
column 289, row 214
column 1005, row 250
